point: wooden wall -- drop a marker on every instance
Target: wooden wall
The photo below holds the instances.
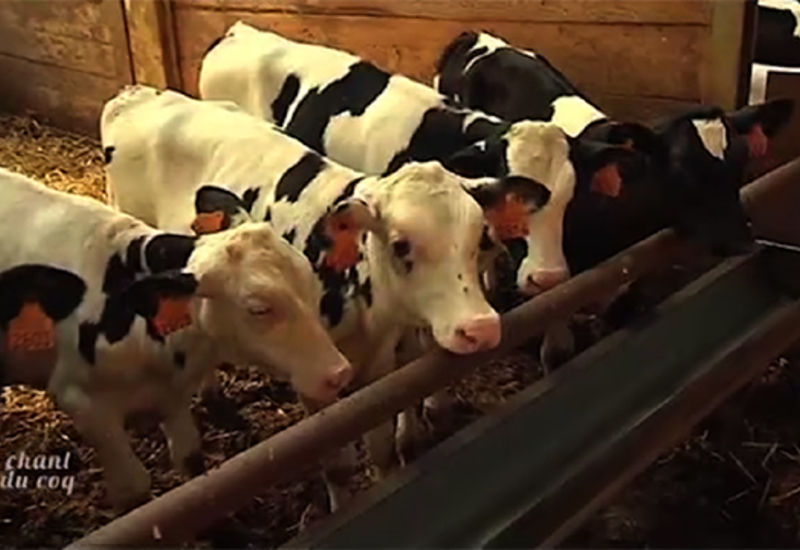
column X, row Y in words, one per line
column 61, row 60
column 635, row 57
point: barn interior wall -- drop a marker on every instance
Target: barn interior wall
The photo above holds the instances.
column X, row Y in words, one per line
column 62, row 60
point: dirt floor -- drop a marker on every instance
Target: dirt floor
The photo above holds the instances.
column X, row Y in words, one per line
column 717, row 489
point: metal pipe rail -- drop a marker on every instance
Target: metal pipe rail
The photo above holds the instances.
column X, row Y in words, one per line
column 179, row 514
column 528, row 475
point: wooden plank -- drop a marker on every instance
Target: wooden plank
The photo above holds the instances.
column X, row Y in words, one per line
column 76, row 18
column 114, row 16
column 595, row 11
column 152, row 43
column 720, row 68
column 748, row 50
column 637, row 60
column 70, row 99
column 63, row 51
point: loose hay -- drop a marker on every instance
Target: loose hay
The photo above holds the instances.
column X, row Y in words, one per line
column 61, row 160
column 694, row 483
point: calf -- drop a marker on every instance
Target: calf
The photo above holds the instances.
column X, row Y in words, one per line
column 390, row 252
column 694, row 161
column 145, row 314
column 778, row 33
column 370, row 120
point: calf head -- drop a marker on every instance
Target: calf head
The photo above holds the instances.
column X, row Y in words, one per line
column 541, row 155
column 704, row 160
column 424, row 234
column 259, row 302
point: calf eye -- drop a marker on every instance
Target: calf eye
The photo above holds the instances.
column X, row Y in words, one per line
column 259, row 311
column 401, row 248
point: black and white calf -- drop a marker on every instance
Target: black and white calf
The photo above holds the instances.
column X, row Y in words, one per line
column 363, row 117
column 389, row 252
column 778, row 33
column 695, row 161
column 144, row 316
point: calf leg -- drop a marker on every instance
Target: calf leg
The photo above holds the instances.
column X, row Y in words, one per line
column 102, row 427
column 558, row 346
column 183, row 440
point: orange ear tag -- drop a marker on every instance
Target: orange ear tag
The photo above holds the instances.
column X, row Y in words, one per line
column 607, row 181
column 210, row 222
column 31, row 330
column 509, row 218
column 173, row 314
column 757, row 141
column 344, row 250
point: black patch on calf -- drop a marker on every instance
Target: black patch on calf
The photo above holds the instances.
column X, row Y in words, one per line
column 287, row 95
column 133, row 254
column 352, row 93
column 452, row 61
column 486, row 243
column 441, row 134
column 210, row 198
column 296, row 178
column 162, row 253
column 214, row 44
column 108, row 154
column 168, row 252
column 180, row 359
column 250, row 197
column 290, row 235
column 348, row 191
column 336, row 286
column 268, row 214
column 58, row 292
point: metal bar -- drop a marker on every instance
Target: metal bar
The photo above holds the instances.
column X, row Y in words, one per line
column 608, row 416
column 177, row 515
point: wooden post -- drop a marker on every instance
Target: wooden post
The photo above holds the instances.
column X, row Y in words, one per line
column 721, row 73
column 151, row 36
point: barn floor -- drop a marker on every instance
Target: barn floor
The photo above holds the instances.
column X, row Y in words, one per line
column 719, row 488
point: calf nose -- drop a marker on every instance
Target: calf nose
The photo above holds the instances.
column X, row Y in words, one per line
column 479, row 333
column 545, row 279
column 338, row 379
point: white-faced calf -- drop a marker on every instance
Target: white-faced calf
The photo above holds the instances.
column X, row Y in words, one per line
column 389, row 252
column 145, row 316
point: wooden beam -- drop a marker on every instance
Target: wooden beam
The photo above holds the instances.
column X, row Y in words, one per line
column 151, row 34
column 720, row 71
column 663, row 12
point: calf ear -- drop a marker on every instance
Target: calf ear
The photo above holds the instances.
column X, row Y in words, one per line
column 164, row 300
column 32, row 299
column 760, row 123
column 508, row 202
column 217, row 209
column 477, row 160
column 343, row 227
column 600, row 163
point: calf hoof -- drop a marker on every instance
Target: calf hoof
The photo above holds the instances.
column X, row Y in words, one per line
column 440, row 409
column 194, row 464
column 411, row 448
